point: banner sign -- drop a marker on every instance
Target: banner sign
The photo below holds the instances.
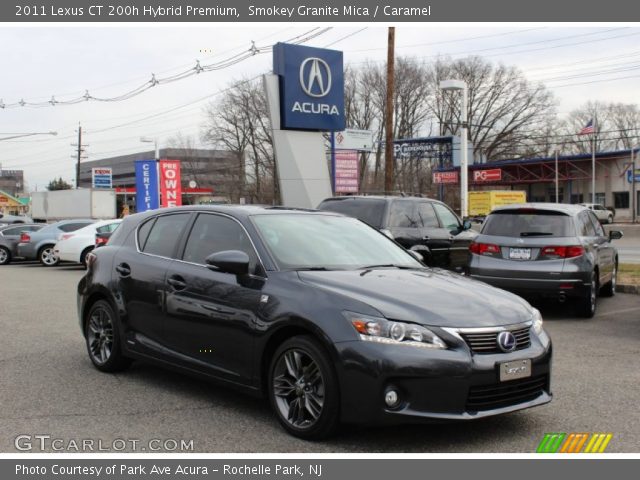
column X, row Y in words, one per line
column 437, row 151
column 101, row 177
column 170, row 187
column 445, row 177
column 311, row 87
column 146, row 185
column 493, row 175
column 346, row 173
column 637, row 175
column 351, row 139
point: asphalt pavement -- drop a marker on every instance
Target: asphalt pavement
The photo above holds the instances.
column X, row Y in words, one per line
column 49, row 387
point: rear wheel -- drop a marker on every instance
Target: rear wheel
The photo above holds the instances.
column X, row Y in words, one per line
column 303, row 389
column 5, row 256
column 609, row 290
column 610, row 219
column 102, row 336
column 83, row 256
column 587, row 303
column 47, row 256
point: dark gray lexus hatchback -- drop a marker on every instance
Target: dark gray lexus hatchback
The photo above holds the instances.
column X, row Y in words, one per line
column 547, row 250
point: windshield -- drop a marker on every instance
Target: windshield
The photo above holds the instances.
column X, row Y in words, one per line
column 329, row 242
column 533, row 223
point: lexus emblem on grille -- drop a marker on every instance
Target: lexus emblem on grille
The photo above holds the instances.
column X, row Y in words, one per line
column 315, row 77
column 506, row 341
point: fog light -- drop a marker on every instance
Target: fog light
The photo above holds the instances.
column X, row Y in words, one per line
column 391, row 398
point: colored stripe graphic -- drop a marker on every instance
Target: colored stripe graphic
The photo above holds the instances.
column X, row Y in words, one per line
column 574, row 442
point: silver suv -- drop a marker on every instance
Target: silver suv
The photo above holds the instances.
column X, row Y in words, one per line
column 547, row 250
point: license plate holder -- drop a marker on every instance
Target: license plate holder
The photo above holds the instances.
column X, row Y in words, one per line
column 520, row 253
column 515, row 369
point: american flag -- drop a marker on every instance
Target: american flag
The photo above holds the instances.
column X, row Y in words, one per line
column 588, row 128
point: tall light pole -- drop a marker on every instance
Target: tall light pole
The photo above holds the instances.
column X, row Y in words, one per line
column 634, row 200
column 388, row 129
column 450, row 85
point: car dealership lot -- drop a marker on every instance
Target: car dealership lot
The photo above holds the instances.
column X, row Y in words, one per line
column 48, row 386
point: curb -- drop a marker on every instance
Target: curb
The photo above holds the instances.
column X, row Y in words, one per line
column 628, row 289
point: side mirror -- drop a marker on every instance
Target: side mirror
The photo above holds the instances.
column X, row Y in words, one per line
column 229, row 261
column 615, row 235
column 417, row 255
column 421, row 253
column 466, row 225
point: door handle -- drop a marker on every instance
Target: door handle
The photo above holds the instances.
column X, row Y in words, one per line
column 123, row 270
column 177, row 282
column 426, row 238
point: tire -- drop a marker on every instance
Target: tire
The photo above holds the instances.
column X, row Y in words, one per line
column 610, row 219
column 609, row 290
column 83, row 256
column 300, row 371
column 47, row 257
column 102, row 338
column 586, row 307
column 5, row 256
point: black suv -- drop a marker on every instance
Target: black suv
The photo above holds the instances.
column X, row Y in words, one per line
column 421, row 224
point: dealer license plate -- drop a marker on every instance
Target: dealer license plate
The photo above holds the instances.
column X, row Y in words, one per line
column 520, row 253
column 514, row 370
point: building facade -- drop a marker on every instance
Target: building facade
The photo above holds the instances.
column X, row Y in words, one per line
column 12, row 182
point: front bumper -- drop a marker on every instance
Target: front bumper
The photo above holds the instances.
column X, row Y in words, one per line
column 437, row 385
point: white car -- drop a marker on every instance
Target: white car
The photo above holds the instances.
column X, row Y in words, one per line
column 604, row 214
column 74, row 246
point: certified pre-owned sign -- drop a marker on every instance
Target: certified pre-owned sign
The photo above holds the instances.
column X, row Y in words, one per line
column 311, row 87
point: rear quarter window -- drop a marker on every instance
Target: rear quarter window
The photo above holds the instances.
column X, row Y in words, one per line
column 514, row 223
column 370, row 211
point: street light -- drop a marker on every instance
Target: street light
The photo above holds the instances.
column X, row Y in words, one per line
column 20, row 135
column 450, row 85
column 155, row 142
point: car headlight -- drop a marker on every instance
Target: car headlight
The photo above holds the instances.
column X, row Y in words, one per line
column 537, row 321
column 376, row 329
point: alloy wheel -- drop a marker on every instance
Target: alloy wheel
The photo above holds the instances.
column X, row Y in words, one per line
column 48, row 256
column 4, row 256
column 593, row 292
column 100, row 335
column 613, row 278
column 298, row 388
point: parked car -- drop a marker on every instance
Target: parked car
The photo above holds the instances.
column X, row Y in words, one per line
column 547, row 250
column 420, row 224
column 102, row 238
column 9, row 238
column 6, row 219
column 604, row 215
column 39, row 245
column 326, row 316
column 74, row 246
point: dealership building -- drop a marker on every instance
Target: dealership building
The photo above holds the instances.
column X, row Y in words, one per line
column 207, row 175
column 536, row 176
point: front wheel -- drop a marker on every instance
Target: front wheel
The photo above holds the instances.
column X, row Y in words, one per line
column 303, row 389
column 609, row 290
column 587, row 303
column 5, row 256
column 610, row 219
column 103, row 338
column 47, row 256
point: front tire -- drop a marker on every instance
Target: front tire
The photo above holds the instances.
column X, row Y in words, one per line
column 610, row 219
column 5, row 256
column 303, row 389
column 47, row 256
column 587, row 303
column 102, row 335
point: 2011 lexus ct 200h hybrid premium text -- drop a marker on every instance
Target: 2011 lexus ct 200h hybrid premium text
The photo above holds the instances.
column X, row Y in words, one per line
column 327, row 317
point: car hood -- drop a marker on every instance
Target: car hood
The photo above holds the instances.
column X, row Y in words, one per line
column 430, row 297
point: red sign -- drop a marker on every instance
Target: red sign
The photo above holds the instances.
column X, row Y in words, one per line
column 494, row 175
column 170, row 188
column 346, row 178
column 445, row 177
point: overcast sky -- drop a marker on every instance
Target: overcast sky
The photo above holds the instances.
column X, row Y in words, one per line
column 576, row 63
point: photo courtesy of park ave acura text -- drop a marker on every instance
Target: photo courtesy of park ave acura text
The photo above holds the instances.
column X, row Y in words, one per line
column 330, row 235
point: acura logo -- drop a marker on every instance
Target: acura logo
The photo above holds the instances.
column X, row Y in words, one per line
column 506, row 341
column 315, row 77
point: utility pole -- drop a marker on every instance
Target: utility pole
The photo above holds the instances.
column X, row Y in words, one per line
column 79, row 154
column 388, row 142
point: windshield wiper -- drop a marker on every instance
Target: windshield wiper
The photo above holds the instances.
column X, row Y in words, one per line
column 533, row 234
column 386, row 265
column 313, row 269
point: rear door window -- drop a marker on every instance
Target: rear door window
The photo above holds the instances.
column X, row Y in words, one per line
column 165, row 234
column 404, row 214
column 427, row 215
column 369, row 210
column 534, row 223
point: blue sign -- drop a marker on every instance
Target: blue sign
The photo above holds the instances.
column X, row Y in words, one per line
column 101, row 177
column 311, row 87
column 637, row 175
column 147, row 197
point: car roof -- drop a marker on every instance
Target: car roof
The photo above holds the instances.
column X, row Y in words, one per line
column 378, row 197
column 13, row 225
column 565, row 208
